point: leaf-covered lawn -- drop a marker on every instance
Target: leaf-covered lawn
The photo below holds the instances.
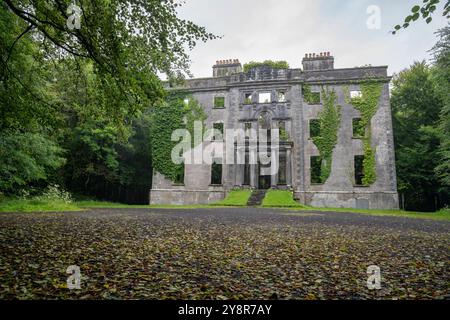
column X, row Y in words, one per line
column 221, row 253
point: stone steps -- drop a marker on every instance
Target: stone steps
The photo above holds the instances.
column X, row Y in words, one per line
column 256, row 197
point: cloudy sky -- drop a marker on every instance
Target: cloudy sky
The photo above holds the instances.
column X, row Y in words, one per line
column 287, row 29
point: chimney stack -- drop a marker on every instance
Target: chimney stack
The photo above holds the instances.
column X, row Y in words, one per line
column 224, row 68
column 320, row 61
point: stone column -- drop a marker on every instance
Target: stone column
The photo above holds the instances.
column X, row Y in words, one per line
column 288, row 166
column 240, row 159
column 253, row 166
column 274, row 163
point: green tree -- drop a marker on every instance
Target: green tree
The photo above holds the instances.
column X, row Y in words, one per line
column 128, row 42
column 24, row 103
column 416, row 107
column 441, row 78
column 26, row 158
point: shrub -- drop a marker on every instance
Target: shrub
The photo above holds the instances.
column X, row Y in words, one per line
column 55, row 193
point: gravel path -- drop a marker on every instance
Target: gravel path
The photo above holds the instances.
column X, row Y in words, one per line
column 247, row 253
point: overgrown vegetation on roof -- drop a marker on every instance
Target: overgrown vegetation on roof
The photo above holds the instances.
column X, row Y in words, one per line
column 273, row 64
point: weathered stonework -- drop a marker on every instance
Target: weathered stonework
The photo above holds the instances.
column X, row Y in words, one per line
column 318, row 72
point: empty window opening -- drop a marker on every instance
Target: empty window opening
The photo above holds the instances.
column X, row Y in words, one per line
column 219, row 102
column 218, row 131
column 316, row 169
column 247, row 128
column 314, row 128
column 179, row 174
column 358, row 128
column 282, row 131
column 247, row 98
column 282, row 169
column 359, row 170
column 355, row 94
column 264, row 97
column 313, row 98
column 216, row 172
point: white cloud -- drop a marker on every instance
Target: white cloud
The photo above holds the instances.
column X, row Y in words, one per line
column 286, row 30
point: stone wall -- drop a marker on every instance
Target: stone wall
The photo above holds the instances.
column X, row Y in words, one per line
column 339, row 190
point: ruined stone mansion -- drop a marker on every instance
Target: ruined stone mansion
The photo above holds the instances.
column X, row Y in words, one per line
column 273, row 97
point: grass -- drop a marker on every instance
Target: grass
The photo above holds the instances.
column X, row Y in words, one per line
column 106, row 204
column 33, row 205
column 117, row 205
column 273, row 199
column 235, row 198
column 443, row 214
column 280, row 199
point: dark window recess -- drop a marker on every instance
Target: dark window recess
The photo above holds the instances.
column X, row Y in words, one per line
column 219, row 102
column 314, row 128
column 218, row 127
column 358, row 128
column 216, row 173
column 282, row 169
column 359, row 170
column 179, row 175
column 316, row 167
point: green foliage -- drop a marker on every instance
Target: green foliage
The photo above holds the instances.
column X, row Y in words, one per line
column 310, row 97
column 235, row 198
column 284, row 136
column 314, row 128
column 416, row 108
column 425, row 11
column 330, row 120
column 167, row 117
column 128, row 42
column 24, row 102
column 441, row 79
column 26, row 158
column 367, row 105
column 359, row 130
column 369, row 164
column 316, row 164
column 269, row 63
column 279, row 198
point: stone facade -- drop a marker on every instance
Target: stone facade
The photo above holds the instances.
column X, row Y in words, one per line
column 285, row 104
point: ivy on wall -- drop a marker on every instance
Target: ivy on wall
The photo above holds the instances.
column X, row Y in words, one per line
column 367, row 105
column 270, row 63
column 325, row 141
column 167, row 116
column 310, row 97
